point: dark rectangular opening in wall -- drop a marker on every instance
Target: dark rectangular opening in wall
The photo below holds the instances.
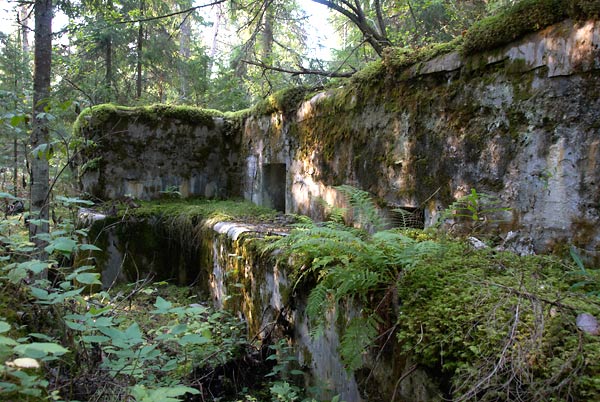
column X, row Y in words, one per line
column 274, row 185
column 406, row 217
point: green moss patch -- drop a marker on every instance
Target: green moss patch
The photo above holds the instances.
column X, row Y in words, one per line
column 204, row 209
column 153, row 114
column 501, row 327
column 284, row 101
column 395, row 59
column 524, row 17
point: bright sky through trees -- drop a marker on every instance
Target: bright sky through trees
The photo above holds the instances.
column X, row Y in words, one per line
column 321, row 35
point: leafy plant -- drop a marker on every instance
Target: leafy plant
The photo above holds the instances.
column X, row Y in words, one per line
column 587, row 279
column 351, row 264
column 477, row 209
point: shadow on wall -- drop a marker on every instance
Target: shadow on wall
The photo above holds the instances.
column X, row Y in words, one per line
column 273, row 188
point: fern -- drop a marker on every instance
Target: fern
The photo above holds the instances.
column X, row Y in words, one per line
column 349, row 263
column 359, row 336
column 365, row 213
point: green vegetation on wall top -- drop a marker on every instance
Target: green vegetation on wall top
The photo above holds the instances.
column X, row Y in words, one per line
column 199, row 208
column 282, row 101
column 153, row 114
column 524, row 17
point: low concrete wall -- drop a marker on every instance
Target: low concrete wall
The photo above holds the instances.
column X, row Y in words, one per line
column 225, row 268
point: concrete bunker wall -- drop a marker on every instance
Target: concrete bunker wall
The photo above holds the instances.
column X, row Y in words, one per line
column 520, row 123
column 146, row 159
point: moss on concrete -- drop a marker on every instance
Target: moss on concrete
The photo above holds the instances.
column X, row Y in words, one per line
column 470, row 313
column 98, row 115
column 524, row 17
column 285, row 101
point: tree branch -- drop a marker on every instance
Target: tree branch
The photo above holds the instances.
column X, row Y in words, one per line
column 158, row 17
column 301, row 71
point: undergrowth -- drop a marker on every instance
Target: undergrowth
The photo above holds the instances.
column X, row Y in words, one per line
column 497, row 326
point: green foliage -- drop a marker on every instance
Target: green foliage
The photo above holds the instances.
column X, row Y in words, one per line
column 501, row 326
column 523, row 17
column 350, row 264
column 197, row 209
column 586, row 279
column 397, row 59
column 100, row 114
column 474, row 211
column 146, row 352
column 284, row 101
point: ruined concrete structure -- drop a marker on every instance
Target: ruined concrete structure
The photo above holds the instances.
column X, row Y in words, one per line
column 521, row 123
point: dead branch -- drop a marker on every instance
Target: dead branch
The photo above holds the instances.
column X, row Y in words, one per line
column 158, row 17
column 300, row 71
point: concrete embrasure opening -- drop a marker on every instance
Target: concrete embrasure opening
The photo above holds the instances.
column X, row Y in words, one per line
column 273, row 185
column 406, row 217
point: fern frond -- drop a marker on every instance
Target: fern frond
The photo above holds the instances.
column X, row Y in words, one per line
column 319, row 300
column 359, row 335
column 355, row 280
column 364, row 211
column 333, row 213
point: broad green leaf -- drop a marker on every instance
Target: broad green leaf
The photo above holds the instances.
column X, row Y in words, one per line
column 194, row 339
column 73, row 201
column 114, row 334
column 95, row 338
column 170, row 365
column 17, row 119
column 39, row 293
column 133, row 333
column 72, row 293
column 43, row 337
column 38, row 350
column 4, row 327
column 35, row 266
column 66, row 245
column 7, row 341
column 89, row 247
column 103, row 322
column 77, row 326
column 178, row 329
column 162, row 305
column 88, row 278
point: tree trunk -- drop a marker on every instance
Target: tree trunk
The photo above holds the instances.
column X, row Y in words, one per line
column 15, row 167
column 267, row 37
column 108, row 78
column 39, row 187
column 140, row 48
column 185, row 40
column 214, row 44
column 20, row 80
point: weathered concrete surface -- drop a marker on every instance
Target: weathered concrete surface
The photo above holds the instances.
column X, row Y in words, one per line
column 141, row 160
column 229, row 271
column 521, row 123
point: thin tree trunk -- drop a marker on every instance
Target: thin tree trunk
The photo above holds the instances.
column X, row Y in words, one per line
column 15, row 167
column 140, row 48
column 39, row 134
column 267, row 37
column 108, row 78
column 24, row 28
column 214, row 45
column 185, row 40
column 22, row 17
